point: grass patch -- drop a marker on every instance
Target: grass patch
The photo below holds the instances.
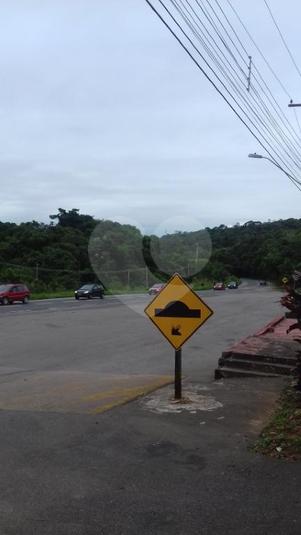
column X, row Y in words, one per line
column 115, row 290
column 52, row 295
column 119, row 290
column 282, row 436
column 198, row 286
column 70, row 293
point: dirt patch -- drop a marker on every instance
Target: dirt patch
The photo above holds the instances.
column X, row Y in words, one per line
column 281, row 438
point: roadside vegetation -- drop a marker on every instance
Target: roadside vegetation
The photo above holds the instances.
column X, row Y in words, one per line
column 54, row 258
column 52, row 295
column 112, row 291
column 282, row 437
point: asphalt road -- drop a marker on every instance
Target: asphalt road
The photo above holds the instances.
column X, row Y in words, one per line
column 114, row 336
column 70, row 466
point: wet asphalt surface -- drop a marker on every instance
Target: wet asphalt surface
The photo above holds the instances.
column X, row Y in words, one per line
column 130, row 470
column 113, row 335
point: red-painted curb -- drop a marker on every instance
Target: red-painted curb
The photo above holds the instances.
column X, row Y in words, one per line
column 269, row 328
column 272, row 350
column 252, row 342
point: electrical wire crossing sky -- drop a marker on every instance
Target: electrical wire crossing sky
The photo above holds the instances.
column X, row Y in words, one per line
column 139, row 115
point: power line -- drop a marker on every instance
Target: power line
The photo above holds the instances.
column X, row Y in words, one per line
column 282, row 38
column 288, row 50
column 288, row 142
column 284, row 117
column 258, row 49
column 269, row 117
column 226, row 99
column 210, row 19
column 257, row 118
column 270, row 97
column 266, row 92
column 82, row 272
column 41, row 268
column 245, row 60
column 297, row 120
column 241, row 93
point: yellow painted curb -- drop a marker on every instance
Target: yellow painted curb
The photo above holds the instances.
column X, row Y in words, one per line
column 125, row 395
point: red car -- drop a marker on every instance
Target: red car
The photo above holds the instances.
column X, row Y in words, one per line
column 156, row 288
column 219, row 286
column 9, row 293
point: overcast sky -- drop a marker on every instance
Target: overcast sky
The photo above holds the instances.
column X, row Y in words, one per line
column 101, row 110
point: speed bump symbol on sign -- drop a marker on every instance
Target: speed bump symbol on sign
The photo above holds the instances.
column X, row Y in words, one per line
column 177, row 311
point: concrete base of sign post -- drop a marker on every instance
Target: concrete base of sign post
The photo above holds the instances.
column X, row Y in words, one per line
column 195, row 398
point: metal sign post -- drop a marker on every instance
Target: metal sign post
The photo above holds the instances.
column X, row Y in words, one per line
column 178, row 312
column 178, row 373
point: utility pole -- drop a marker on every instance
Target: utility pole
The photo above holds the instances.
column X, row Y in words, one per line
column 197, row 255
column 146, row 277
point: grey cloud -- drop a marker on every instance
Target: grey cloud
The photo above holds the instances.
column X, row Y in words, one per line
column 101, row 110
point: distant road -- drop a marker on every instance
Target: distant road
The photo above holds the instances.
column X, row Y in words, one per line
column 71, row 304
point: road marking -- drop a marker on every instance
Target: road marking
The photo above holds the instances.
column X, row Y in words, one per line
column 124, row 395
column 74, row 391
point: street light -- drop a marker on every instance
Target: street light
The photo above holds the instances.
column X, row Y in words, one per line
column 255, row 155
column 260, row 156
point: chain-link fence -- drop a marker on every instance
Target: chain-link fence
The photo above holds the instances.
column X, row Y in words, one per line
column 40, row 278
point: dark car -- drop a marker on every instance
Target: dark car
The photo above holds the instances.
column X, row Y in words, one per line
column 90, row 290
column 156, row 288
column 263, row 283
column 9, row 293
column 232, row 285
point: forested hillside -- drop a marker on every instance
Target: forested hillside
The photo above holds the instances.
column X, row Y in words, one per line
column 56, row 255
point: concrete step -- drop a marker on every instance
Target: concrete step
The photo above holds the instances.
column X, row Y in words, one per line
column 256, row 365
column 267, row 352
column 257, row 357
column 239, row 372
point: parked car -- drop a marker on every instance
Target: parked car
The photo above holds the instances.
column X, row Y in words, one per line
column 219, row 286
column 90, row 290
column 156, row 288
column 9, row 293
column 262, row 283
column 232, row 285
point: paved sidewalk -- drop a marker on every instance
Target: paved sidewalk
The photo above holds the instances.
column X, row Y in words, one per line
column 139, row 471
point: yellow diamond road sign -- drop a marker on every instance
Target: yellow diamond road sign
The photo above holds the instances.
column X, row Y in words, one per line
column 178, row 311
